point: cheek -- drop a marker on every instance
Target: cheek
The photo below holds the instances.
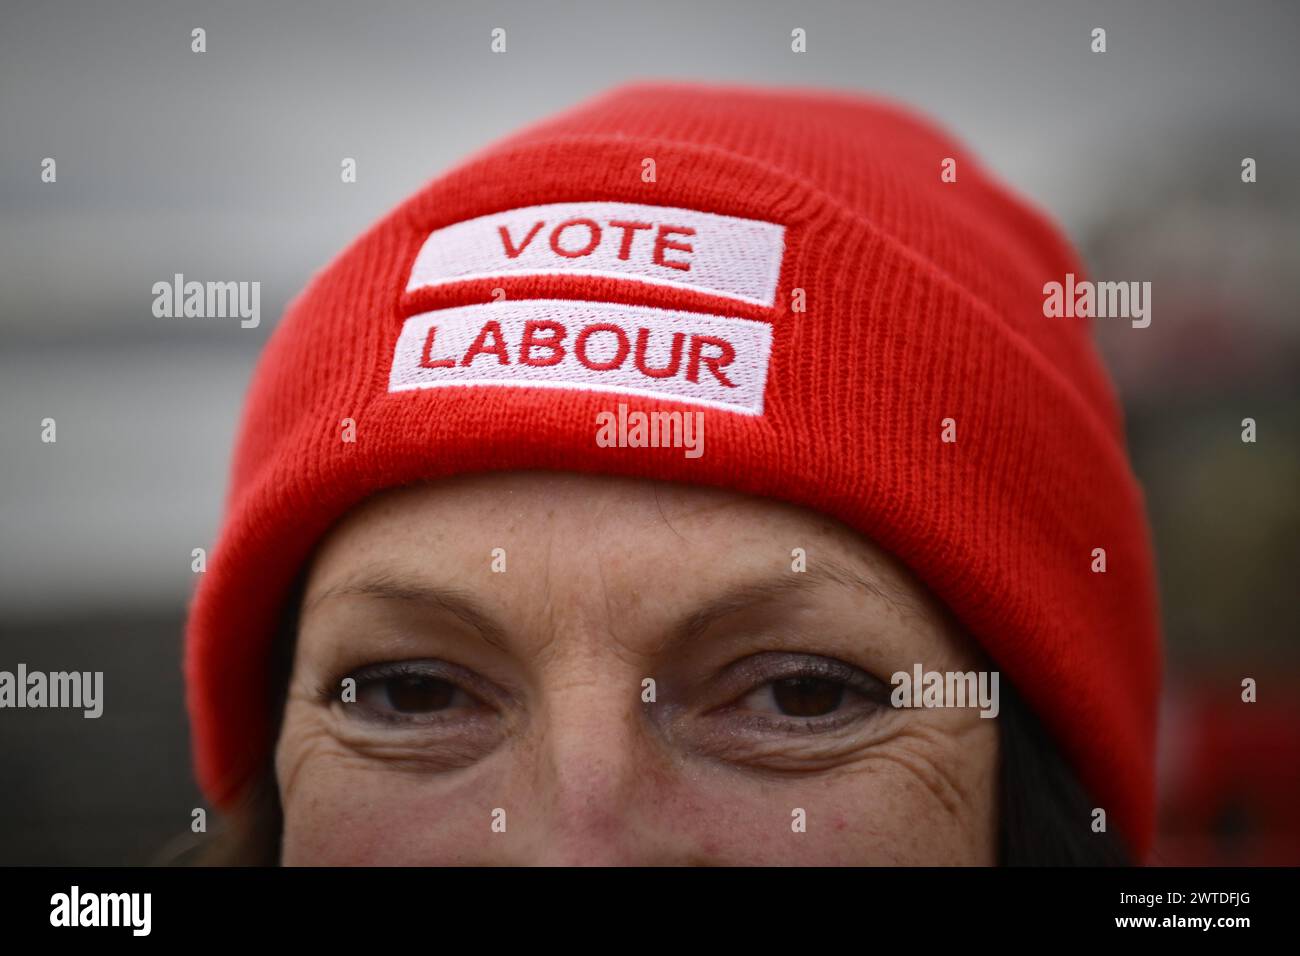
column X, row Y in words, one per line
column 877, row 813
column 341, row 813
column 342, row 810
column 889, row 807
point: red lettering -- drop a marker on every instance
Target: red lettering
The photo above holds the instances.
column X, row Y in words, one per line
column 592, row 242
column 493, row 328
column 580, row 347
column 674, row 362
column 425, row 357
column 662, row 242
column 629, row 233
column 531, row 341
column 511, row 251
column 714, row 362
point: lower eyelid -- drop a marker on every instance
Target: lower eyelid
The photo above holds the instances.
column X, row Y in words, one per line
column 421, row 747
column 799, row 745
column 459, row 718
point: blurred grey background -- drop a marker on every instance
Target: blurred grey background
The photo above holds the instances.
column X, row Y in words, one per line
column 225, row 165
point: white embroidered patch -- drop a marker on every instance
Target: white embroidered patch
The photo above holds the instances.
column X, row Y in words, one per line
column 682, row 248
column 711, row 360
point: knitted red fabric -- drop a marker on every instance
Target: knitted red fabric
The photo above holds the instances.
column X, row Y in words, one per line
column 923, row 301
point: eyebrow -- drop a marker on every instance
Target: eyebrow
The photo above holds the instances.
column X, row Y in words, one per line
column 771, row 590
column 389, row 586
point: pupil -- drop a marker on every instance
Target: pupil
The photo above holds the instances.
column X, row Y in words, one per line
column 418, row 694
column 807, row 696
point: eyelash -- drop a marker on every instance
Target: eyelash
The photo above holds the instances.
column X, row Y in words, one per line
column 757, row 672
column 373, row 674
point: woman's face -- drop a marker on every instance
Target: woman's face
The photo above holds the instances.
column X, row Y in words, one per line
column 561, row 669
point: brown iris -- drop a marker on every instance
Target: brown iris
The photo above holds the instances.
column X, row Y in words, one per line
column 807, row 696
column 418, row 694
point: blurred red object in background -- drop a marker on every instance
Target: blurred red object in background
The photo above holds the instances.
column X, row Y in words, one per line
column 1230, row 774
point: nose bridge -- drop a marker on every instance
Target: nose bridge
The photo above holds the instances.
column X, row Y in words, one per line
column 592, row 761
column 590, row 746
column 592, row 749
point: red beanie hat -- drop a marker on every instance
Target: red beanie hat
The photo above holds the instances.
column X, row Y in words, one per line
column 794, row 265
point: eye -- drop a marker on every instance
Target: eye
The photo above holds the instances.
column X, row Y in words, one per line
column 405, row 690
column 803, row 692
column 410, row 694
column 798, row 696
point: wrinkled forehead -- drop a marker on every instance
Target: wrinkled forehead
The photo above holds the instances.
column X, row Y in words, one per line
column 508, row 545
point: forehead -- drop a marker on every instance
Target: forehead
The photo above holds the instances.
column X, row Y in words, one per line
column 516, row 541
column 614, row 519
